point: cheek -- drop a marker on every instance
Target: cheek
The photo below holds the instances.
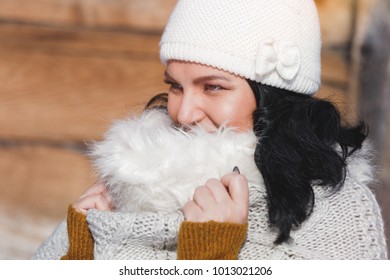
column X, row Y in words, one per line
column 239, row 111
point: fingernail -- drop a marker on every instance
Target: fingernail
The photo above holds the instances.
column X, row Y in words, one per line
column 235, row 169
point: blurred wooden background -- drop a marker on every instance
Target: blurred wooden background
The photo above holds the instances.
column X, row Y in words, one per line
column 68, row 68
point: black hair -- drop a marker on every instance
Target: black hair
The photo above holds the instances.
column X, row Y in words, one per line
column 159, row 101
column 301, row 142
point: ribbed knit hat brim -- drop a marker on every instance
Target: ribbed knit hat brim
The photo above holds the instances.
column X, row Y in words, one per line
column 277, row 42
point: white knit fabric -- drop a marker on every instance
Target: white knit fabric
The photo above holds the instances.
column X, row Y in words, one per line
column 346, row 225
column 276, row 42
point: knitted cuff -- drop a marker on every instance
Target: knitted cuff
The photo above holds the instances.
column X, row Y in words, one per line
column 81, row 243
column 210, row 240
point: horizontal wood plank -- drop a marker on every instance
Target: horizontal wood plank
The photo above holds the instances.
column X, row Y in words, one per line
column 42, row 181
column 336, row 18
column 68, row 68
column 78, row 42
column 71, row 89
column 143, row 15
column 149, row 15
column 70, row 98
column 335, row 69
column 69, row 85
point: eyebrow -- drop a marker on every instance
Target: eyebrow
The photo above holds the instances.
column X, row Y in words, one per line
column 201, row 79
column 168, row 77
column 209, row 78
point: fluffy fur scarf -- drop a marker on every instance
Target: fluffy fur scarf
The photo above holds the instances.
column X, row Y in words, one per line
column 150, row 165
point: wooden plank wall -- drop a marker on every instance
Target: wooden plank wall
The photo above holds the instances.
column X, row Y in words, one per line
column 68, row 68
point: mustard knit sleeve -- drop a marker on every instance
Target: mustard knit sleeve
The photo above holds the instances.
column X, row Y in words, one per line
column 81, row 243
column 210, row 240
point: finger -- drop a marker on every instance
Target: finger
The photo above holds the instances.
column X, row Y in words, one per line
column 96, row 188
column 218, row 190
column 192, row 211
column 102, row 203
column 237, row 185
column 203, row 197
column 97, row 201
column 107, row 195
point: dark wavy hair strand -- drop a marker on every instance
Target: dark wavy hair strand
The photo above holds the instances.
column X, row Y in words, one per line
column 298, row 139
column 301, row 142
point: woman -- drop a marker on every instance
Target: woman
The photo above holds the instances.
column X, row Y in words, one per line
column 253, row 66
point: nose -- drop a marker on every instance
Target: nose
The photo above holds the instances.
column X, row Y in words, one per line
column 189, row 112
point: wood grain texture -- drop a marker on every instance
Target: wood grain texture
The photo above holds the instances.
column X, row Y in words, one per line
column 42, row 181
column 72, row 88
column 336, row 18
column 148, row 15
column 61, row 84
column 68, row 68
column 142, row 15
column 77, row 41
column 335, row 69
column 65, row 98
column 335, row 83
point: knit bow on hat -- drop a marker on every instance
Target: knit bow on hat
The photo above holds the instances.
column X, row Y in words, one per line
column 276, row 43
column 282, row 58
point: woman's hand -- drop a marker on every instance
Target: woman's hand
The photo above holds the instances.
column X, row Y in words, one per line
column 94, row 197
column 224, row 200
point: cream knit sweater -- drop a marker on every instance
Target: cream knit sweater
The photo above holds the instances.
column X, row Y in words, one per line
column 345, row 225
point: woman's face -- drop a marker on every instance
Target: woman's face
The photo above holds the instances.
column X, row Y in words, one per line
column 207, row 96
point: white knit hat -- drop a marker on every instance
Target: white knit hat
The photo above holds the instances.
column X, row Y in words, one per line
column 275, row 42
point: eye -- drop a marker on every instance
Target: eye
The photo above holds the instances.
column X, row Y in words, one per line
column 174, row 87
column 213, row 87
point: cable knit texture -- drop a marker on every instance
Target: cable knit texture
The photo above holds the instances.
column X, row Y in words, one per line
column 277, row 42
column 345, row 225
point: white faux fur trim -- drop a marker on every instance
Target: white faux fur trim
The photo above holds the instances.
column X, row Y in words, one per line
column 360, row 165
column 148, row 165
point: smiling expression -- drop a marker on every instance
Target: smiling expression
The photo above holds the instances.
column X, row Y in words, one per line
column 209, row 97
